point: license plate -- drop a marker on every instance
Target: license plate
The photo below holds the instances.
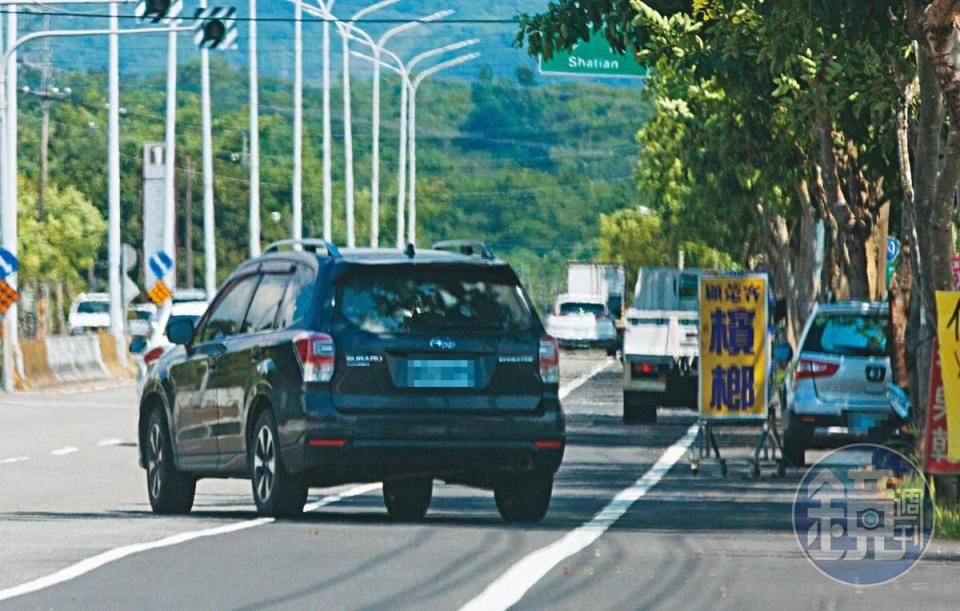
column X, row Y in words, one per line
column 440, row 373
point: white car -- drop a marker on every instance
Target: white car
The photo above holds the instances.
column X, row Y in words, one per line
column 89, row 312
column 583, row 321
column 190, row 304
column 139, row 317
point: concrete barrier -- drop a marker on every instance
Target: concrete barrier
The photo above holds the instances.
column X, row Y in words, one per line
column 108, row 349
column 36, row 369
column 75, row 359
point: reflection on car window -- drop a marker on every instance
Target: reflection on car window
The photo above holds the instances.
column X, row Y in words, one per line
column 225, row 320
column 296, row 302
column 848, row 335
column 266, row 302
column 414, row 301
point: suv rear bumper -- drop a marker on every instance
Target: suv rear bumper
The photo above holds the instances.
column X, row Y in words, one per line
column 379, row 459
column 330, row 446
column 831, row 431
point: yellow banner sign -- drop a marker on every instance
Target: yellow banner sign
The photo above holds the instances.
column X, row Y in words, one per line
column 733, row 346
column 948, row 332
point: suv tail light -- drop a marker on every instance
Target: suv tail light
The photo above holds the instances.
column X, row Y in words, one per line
column 153, row 355
column 549, row 360
column 809, row 369
column 639, row 369
column 317, row 356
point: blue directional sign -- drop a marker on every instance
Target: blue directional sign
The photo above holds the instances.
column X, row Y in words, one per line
column 160, row 263
column 8, row 263
column 893, row 249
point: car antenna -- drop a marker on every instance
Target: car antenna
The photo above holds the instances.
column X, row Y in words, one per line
column 409, row 250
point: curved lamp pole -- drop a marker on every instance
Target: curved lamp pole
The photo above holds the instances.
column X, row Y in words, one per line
column 344, row 29
column 412, row 119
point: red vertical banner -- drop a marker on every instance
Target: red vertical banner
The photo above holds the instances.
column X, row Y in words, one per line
column 956, row 269
column 935, row 446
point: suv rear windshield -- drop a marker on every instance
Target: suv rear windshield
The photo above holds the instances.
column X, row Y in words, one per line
column 571, row 307
column 410, row 300
column 93, row 307
column 848, row 335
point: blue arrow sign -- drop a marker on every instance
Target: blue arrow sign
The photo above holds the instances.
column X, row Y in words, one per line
column 8, row 263
column 160, row 263
column 893, row 249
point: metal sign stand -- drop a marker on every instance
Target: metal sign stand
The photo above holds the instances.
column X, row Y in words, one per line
column 769, row 447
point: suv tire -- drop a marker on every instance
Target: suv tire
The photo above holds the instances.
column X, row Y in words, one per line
column 170, row 491
column 277, row 493
column 524, row 497
column 408, row 499
column 640, row 408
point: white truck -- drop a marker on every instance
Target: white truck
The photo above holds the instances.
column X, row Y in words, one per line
column 606, row 280
column 661, row 344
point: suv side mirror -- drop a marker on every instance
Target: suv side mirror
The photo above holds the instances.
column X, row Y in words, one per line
column 180, row 332
column 782, row 353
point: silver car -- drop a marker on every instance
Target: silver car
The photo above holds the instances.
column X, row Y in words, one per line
column 835, row 388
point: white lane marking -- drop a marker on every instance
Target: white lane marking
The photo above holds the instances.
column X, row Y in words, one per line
column 510, row 587
column 94, row 562
column 13, row 459
column 107, row 443
column 65, row 451
column 572, row 385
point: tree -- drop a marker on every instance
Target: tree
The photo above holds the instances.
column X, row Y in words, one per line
column 634, row 238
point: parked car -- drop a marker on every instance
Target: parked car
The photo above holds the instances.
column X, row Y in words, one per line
column 316, row 367
column 89, row 312
column 583, row 321
column 186, row 304
column 836, row 387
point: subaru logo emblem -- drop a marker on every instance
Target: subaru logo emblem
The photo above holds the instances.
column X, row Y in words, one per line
column 876, row 374
column 442, row 343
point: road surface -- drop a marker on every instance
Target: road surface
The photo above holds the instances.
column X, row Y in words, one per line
column 77, row 531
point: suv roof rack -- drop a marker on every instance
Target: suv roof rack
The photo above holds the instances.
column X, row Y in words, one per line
column 308, row 244
column 471, row 248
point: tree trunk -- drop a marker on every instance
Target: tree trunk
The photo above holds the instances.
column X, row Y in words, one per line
column 805, row 264
column 940, row 29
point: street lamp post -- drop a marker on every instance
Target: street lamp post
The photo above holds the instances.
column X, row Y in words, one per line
column 209, row 227
column 412, row 119
column 348, row 129
column 254, row 134
column 327, row 14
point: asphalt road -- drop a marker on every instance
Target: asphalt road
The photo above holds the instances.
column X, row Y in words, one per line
column 73, row 504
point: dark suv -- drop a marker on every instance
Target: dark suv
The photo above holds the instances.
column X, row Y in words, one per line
column 314, row 367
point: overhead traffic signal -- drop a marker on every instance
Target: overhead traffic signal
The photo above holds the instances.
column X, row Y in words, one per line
column 215, row 28
column 156, row 11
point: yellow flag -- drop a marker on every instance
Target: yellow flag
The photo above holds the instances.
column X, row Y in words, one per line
column 948, row 332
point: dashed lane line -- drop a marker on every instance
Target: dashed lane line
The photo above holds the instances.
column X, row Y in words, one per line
column 510, row 587
column 65, row 451
column 13, row 459
column 94, row 562
column 109, row 443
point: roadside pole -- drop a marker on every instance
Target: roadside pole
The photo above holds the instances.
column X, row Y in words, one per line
column 170, row 157
column 296, row 229
column 209, row 229
column 254, row 135
column 9, row 190
column 113, row 185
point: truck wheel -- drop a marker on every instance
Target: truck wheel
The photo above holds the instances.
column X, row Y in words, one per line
column 639, row 408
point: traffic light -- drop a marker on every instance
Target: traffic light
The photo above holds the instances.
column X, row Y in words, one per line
column 156, row 11
column 215, row 28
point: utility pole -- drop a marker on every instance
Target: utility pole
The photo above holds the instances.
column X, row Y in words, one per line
column 209, row 229
column 296, row 228
column 113, row 185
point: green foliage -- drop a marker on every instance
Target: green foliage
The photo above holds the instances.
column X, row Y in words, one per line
column 65, row 243
column 633, row 237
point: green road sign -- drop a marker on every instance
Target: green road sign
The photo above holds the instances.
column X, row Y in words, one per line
column 593, row 58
